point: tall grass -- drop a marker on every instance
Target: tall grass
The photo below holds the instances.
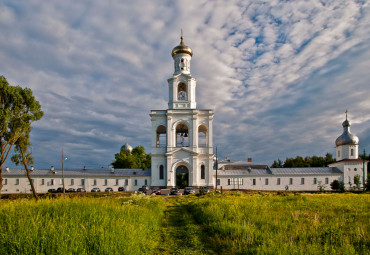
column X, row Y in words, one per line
column 296, row 224
column 80, row 226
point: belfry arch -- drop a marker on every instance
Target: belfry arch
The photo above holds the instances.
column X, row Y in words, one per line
column 182, row 135
column 202, row 136
column 161, row 136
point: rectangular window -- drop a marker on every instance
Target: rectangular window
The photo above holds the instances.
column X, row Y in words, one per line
column 218, row 182
column 266, row 181
column 314, row 180
column 228, row 182
column 302, row 181
column 16, row 181
column 254, row 181
column 60, row 181
column 105, row 182
column 82, row 182
column 42, row 181
column 5, row 181
column 52, row 182
column 338, row 154
column 351, row 152
column 72, row 181
column 117, row 182
column 94, row 182
column 135, row 183
column 126, row 182
column 146, row 182
column 291, row 181
column 278, row 181
column 326, row 180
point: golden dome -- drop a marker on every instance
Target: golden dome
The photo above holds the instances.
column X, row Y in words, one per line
column 182, row 48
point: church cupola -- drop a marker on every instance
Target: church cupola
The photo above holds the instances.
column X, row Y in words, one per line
column 182, row 54
column 347, row 143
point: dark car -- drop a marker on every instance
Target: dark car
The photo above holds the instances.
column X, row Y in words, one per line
column 71, row 190
column 188, row 190
column 121, row 189
column 60, row 190
column 204, row 190
column 156, row 191
column 81, row 190
column 52, row 191
column 175, row 191
column 108, row 190
column 142, row 190
column 95, row 190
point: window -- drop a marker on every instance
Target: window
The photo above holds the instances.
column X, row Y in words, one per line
column 135, row 183
column 228, row 182
column 94, row 182
column 314, row 180
column 42, row 181
column 82, row 182
column 291, row 181
column 60, row 181
column 146, row 182
column 351, row 152
column 218, row 182
column 126, row 182
column 161, row 172
column 182, row 135
column 72, row 181
column 161, row 136
column 266, row 181
column 5, row 181
column 16, row 181
column 117, row 182
column 338, row 154
column 105, row 182
column 202, row 172
column 326, row 180
column 181, row 91
column 302, row 181
column 254, row 181
column 52, row 182
column 278, row 181
column 355, row 169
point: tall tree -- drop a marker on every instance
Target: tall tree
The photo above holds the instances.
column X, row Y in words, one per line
column 18, row 109
column 314, row 161
column 135, row 159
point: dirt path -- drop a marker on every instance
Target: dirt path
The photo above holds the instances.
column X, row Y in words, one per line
column 180, row 233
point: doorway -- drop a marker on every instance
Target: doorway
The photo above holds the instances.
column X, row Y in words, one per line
column 182, row 177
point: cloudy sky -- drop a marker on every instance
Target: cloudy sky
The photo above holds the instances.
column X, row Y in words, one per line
column 279, row 74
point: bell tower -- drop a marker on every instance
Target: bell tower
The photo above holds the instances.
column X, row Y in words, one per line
column 182, row 149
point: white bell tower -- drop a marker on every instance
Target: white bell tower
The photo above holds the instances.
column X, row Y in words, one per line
column 182, row 149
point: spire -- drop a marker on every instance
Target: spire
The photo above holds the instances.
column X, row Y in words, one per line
column 182, row 39
column 346, row 113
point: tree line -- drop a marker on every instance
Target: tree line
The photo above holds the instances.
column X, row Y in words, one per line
column 313, row 161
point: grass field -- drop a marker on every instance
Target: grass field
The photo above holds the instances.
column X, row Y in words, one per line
column 235, row 223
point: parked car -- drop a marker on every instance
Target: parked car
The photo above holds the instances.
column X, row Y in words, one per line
column 81, row 190
column 121, row 189
column 188, row 190
column 142, row 190
column 204, row 190
column 52, row 191
column 175, row 191
column 108, row 190
column 60, row 190
column 145, row 187
column 95, row 190
column 71, row 190
column 156, row 191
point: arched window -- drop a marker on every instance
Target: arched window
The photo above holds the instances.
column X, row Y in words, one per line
column 202, row 136
column 181, row 92
column 351, row 152
column 161, row 136
column 182, row 135
column 161, row 172
column 202, row 172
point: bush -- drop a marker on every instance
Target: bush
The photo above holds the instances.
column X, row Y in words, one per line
column 337, row 185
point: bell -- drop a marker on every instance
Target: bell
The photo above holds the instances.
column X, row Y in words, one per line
column 186, row 135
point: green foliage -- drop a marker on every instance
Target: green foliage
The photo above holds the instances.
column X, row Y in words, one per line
column 337, row 185
column 80, row 226
column 18, row 109
column 357, row 181
column 299, row 161
column 320, row 186
column 135, row 159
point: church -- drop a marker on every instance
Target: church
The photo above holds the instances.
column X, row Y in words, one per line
column 182, row 154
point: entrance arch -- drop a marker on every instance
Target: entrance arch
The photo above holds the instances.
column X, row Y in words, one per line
column 182, row 177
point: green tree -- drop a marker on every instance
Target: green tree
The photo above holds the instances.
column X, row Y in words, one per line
column 314, row 161
column 277, row 164
column 135, row 159
column 357, row 181
column 18, row 109
column 337, row 185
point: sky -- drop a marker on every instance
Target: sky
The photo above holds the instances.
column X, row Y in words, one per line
column 278, row 74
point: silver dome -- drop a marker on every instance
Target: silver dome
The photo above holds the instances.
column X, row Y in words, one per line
column 126, row 146
column 347, row 138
